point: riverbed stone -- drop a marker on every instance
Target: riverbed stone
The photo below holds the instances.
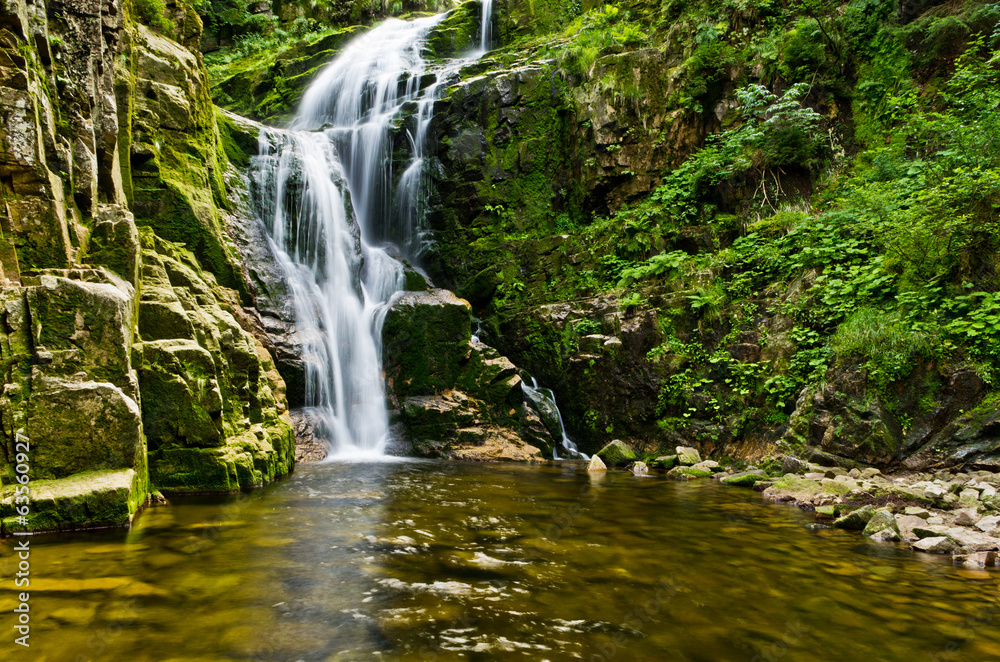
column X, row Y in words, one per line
column 883, row 521
column 856, row 520
column 977, row 560
column 988, row 523
column 596, row 464
column 639, row 468
column 665, row 462
column 973, row 540
column 929, row 530
column 687, row 473
column 708, row 465
column 966, row 517
column 968, row 498
column 936, row 545
column 744, row 478
column 617, row 454
column 917, row 511
column 688, row 456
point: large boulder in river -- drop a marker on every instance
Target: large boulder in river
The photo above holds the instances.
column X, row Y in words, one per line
column 425, row 342
column 617, row 454
column 456, row 396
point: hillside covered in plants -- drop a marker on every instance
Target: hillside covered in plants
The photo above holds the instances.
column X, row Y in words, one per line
column 756, row 225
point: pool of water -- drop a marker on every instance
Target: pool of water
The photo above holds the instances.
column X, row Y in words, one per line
column 443, row 561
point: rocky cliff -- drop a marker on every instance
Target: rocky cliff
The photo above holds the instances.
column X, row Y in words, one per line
column 130, row 363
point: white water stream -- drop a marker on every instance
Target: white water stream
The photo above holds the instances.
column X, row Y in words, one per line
column 336, row 213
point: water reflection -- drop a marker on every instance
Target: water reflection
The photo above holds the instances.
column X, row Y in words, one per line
column 436, row 561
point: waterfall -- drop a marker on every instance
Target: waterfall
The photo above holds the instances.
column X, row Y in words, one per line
column 337, row 215
column 536, row 391
column 486, row 26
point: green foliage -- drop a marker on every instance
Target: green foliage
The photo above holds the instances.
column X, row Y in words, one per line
column 153, row 13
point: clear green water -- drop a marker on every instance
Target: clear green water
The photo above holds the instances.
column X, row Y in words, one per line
column 437, row 561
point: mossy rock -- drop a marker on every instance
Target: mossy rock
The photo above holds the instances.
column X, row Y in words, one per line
column 92, row 499
column 856, row 520
column 683, row 472
column 617, row 454
column 744, row 479
column 882, row 521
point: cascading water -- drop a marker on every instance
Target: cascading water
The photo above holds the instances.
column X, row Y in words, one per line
column 486, row 26
column 536, row 391
column 332, row 204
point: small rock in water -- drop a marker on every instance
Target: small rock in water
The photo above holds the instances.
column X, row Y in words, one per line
column 886, row 535
column 688, row 456
column 827, row 512
column 665, row 461
column 857, row 520
column 640, row 468
column 596, row 464
column 966, row 517
column 708, row 465
column 745, row 478
column 978, row 560
column 937, row 545
column 883, row 522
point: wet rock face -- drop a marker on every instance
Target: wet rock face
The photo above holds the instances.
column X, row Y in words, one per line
column 456, row 397
column 106, row 122
column 213, row 413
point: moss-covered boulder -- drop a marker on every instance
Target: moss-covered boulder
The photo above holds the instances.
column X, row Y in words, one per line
column 426, row 341
column 84, row 500
column 688, row 473
column 744, row 478
column 617, row 454
column 856, row 520
column 688, row 456
column 883, row 524
column 457, row 397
